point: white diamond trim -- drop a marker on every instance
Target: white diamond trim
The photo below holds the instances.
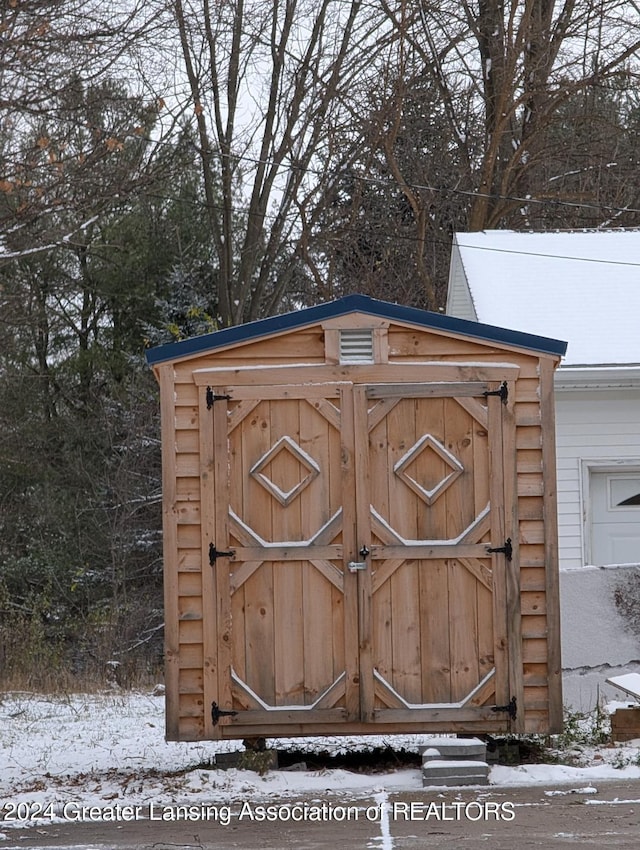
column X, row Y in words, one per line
column 429, row 495
column 285, row 497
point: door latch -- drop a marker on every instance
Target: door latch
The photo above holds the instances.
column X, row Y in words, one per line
column 357, row 566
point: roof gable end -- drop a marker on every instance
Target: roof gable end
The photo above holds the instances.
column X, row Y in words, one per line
column 362, row 304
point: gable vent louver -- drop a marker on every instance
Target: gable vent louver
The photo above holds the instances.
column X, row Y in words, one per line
column 356, row 345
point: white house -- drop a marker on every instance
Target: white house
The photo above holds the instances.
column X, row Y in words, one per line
column 583, row 287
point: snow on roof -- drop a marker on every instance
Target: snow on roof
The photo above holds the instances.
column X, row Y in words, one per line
column 582, row 286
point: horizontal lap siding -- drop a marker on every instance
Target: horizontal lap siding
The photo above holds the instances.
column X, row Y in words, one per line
column 589, row 426
column 189, row 561
column 299, row 347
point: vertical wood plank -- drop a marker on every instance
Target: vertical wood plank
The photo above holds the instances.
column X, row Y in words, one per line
column 316, row 438
column 512, row 530
column 481, row 483
column 335, row 463
column 285, row 470
column 498, row 536
column 363, row 539
column 480, row 464
column 238, row 649
column 287, row 576
column 259, row 637
column 382, row 656
column 170, row 552
column 405, row 626
column 463, row 629
column 222, row 542
column 250, row 441
column 348, row 475
column 550, row 514
column 318, row 635
column 435, row 649
column 382, row 617
column 332, row 345
column 381, row 345
column 437, row 604
column 430, row 469
column 460, row 513
column 288, row 627
column 207, row 536
column 401, row 436
column 379, row 475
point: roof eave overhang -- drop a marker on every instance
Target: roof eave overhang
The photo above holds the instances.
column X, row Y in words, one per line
column 593, row 377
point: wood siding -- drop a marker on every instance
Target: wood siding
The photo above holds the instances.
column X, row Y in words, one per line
column 199, row 619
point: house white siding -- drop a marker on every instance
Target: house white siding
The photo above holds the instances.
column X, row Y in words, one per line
column 459, row 300
column 594, row 429
column 553, row 284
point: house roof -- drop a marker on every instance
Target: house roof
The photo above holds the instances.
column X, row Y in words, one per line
column 580, row 286
column 341, row 307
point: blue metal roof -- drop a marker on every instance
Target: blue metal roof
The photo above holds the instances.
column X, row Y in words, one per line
column 341, row 307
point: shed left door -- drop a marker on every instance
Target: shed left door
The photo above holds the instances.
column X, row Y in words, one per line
column 284, row 610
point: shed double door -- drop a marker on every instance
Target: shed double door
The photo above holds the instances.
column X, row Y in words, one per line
column 349, row 540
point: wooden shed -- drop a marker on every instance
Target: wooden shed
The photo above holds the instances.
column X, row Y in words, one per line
column 360, row 530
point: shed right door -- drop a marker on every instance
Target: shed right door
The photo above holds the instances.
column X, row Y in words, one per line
column 439, row 613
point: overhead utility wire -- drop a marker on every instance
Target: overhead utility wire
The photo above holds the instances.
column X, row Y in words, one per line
column 378, row 181
column 446, row 190
column 447, row 244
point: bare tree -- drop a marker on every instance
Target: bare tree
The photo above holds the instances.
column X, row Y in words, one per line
column 267, row 83
column 65, row 68
column 504, row 71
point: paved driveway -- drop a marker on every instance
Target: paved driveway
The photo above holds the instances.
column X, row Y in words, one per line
column 493, row 818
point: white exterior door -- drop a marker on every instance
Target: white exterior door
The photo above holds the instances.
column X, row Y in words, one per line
column 615, row 508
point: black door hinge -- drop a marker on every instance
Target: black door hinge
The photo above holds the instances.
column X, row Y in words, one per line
column 214, row 554
column 503, row 392
column 511, row 708
column 212, row 397
column 217, row 713
column 506, row 550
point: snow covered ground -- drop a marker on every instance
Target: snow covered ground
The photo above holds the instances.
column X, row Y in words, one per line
column 104, row 749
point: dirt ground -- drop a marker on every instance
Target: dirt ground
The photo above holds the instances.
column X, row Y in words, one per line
column 491, row 818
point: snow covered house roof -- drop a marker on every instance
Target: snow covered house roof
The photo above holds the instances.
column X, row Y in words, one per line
column 582, row 286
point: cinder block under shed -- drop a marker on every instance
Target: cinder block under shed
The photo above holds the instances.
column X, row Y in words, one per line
column 454, row 761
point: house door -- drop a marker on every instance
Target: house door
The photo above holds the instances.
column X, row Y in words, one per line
column 615, row 511
column 354, row 581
